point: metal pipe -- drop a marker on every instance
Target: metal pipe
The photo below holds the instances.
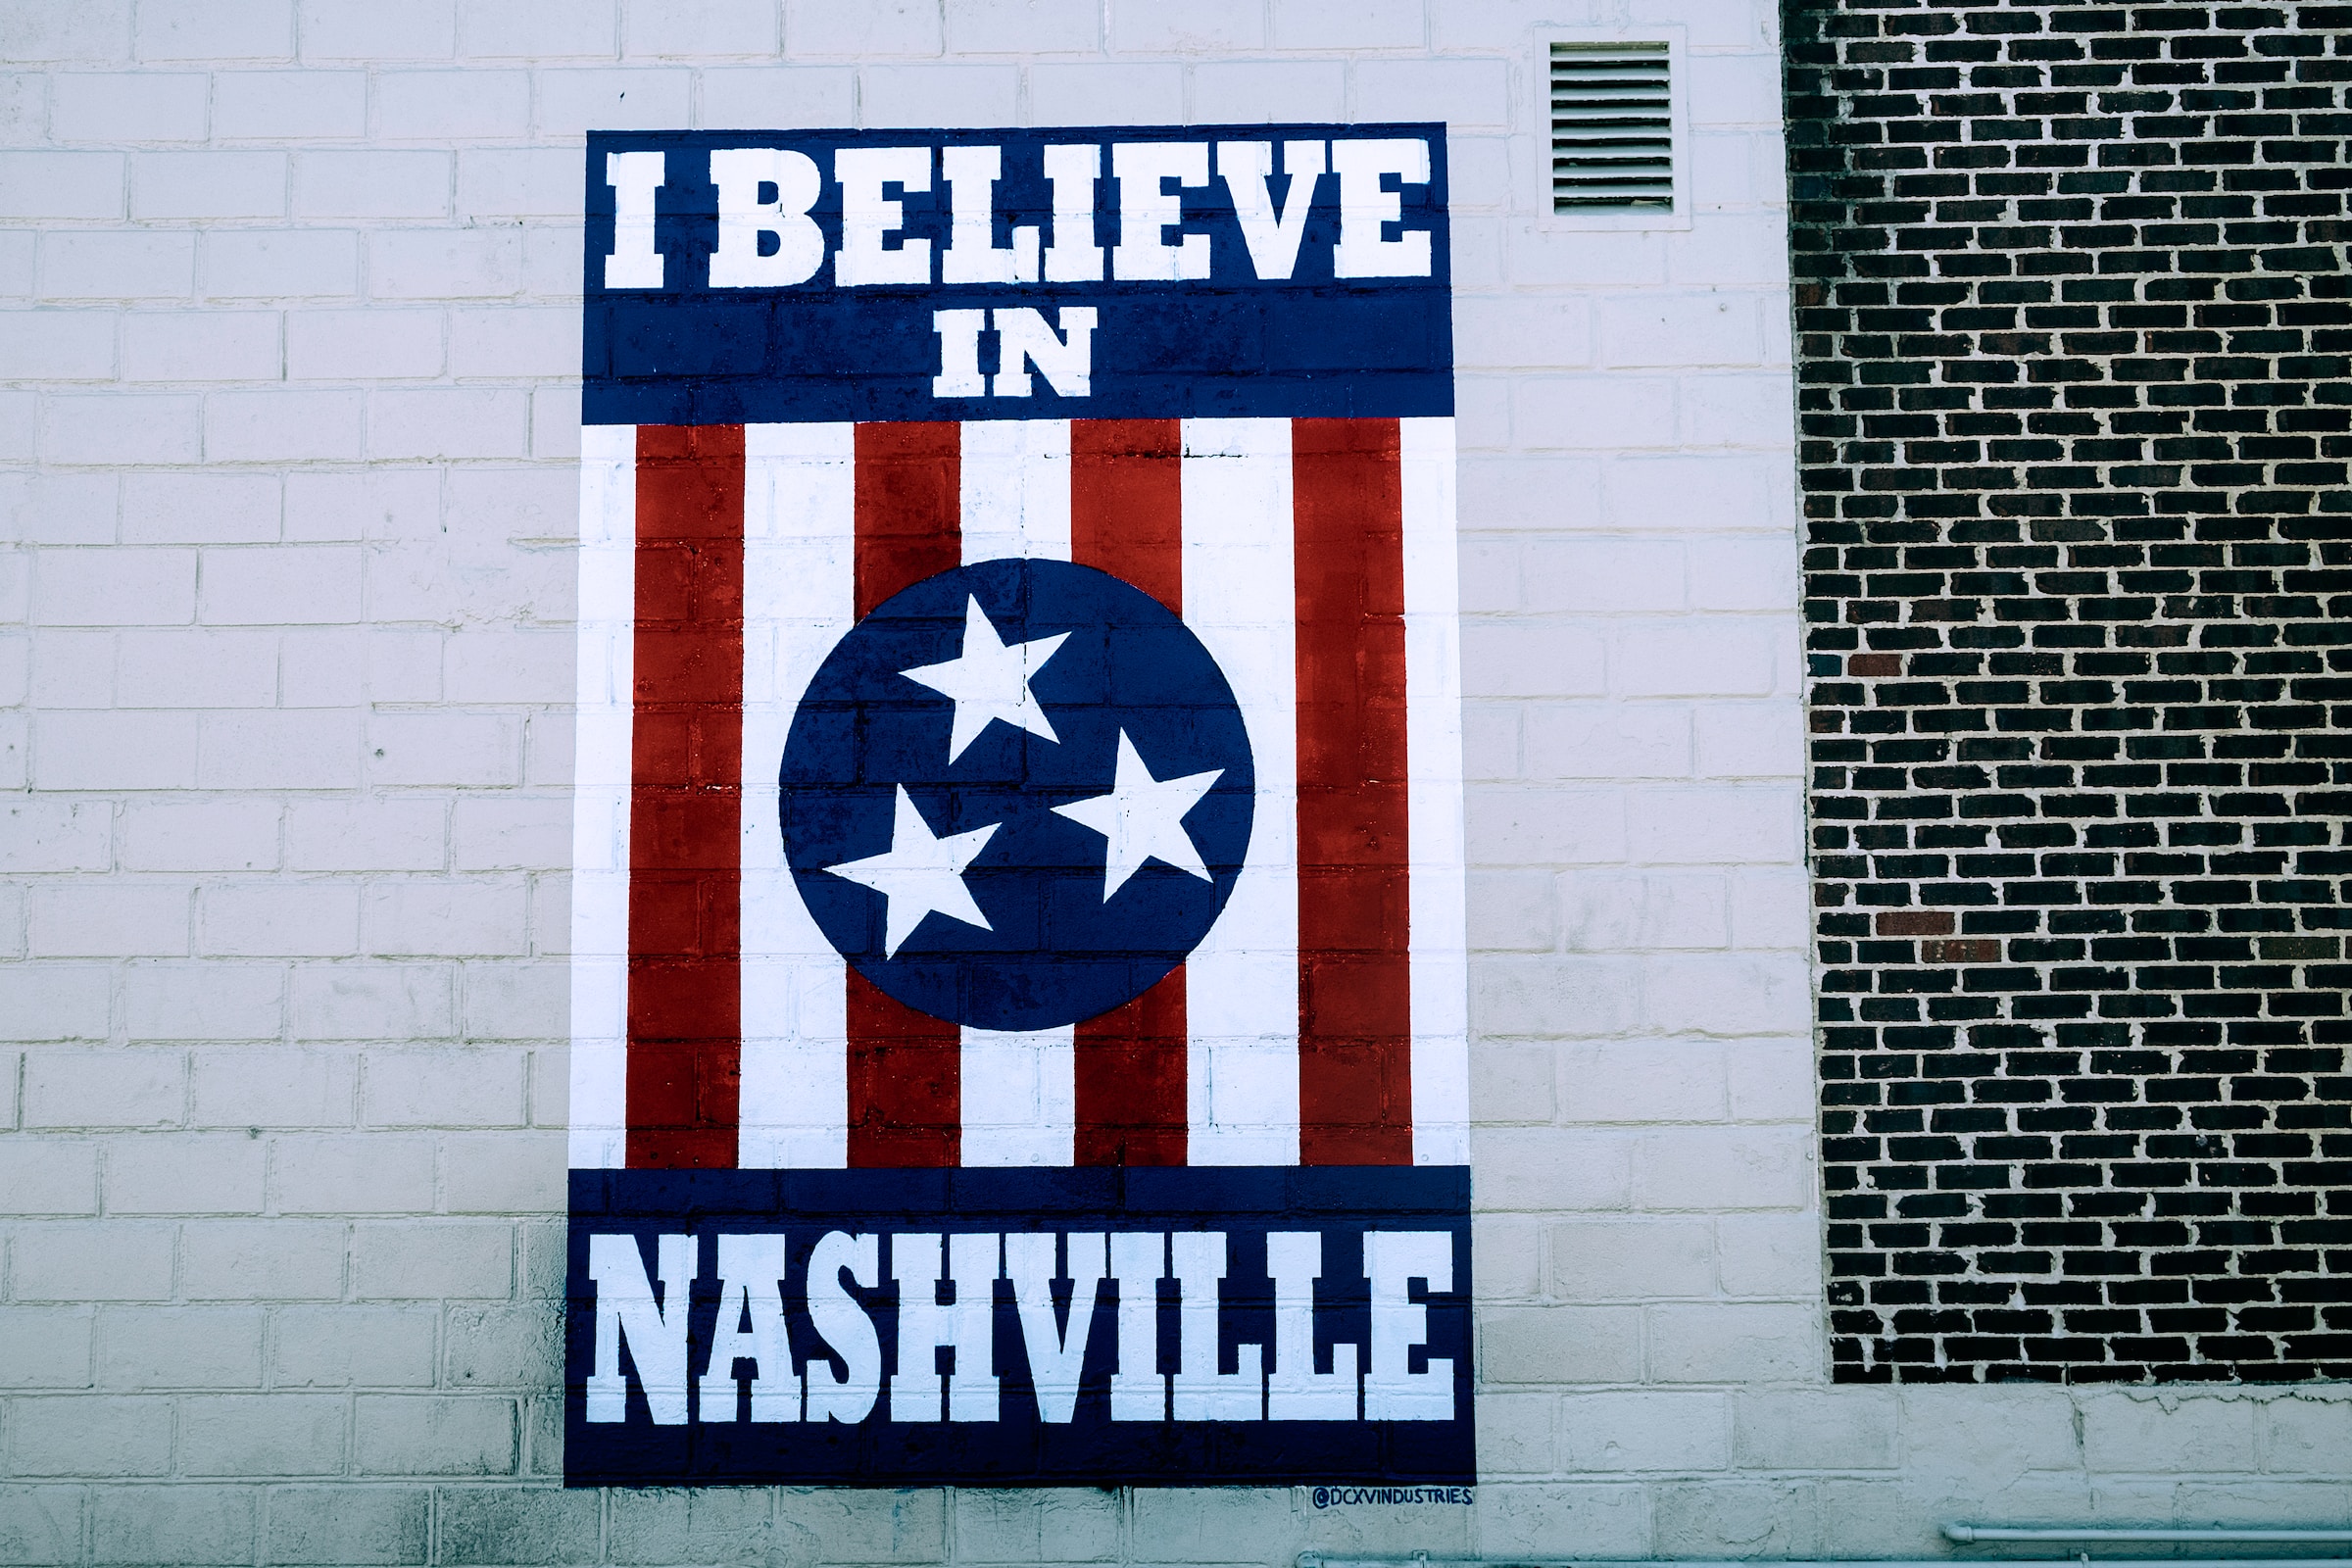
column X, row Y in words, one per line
column 1968, row 1534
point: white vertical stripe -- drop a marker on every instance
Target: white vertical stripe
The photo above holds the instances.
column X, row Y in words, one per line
column 800, row 542
column 1021, row 1096
column 1433, row 727
column 1018, row 1089
column 1015, row 489
column 600, row 809
column 1241, row 982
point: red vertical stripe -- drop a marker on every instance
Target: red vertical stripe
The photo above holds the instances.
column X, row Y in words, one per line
column 1355, row 1105
column 1127, row 519
column 685, row 802
column 906, row 1097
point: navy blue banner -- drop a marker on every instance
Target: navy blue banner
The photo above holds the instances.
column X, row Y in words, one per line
column 1112, row 272
column 1191, row 1326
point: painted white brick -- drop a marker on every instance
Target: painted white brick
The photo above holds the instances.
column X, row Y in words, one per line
column 1204, row 27
column 253, row 1435
column 17, row 248
column 353, row 29
column 572, row 103
column 51, row 835
column 274, row 1259
column 373, row 344
column 1023, row 26
column 370, row 1002
column 1561, row 1344
column 445, row 105
column 97, row 1436
column 1721, row 1169
column 537, row 29
column 277, row 1087
column 201, row 346
column 207, row 185
column 57, row 344
column 200, row 508
column 118, row 587
column 444, row 749
column 352, row 1175
column 1725, row 1342
column 106, row 266
column 279, row 751
column 36, row 31
column 1647, row 1431
column 657, row 29
column 179, row 1347
column 937, row 95
column 111, row 107
column 1250, row 92
column 556, row 422
column 45, row 1348
column 184, row 1174
column 119, row 428
column 126, row 750
column 1459, row 93
column 49, row 1178
column 290, row 264
column 60, row 184
column 1725, row 491
column 24, row 109
column 1607, row 741
column 449, row 422
column 1605, row 412
column 92, row 1262
column 518, row 182
column 109, row 919
column 112, row 1087
column 407, row 1260
column 504, row 1172
column 414, row 1435
column 193, row 30
column 1637, row 1260
column 444, row 264
column 1737, row 411
column 280, row 585
column 388, row 834
column 371, row 185
column 883, row 27
column 349, row 1346
column 1528, row 658
column 1772, row 1255
column 162, row 1002
column 769, row 97
column 1095, row 93
column 279, row 919
column 1512, row 331
column 1348, row 24
column 438, row 918
column 281, row 426
column 196, row 669
column 513, row 341
column 1750, row 739
column 298, row 106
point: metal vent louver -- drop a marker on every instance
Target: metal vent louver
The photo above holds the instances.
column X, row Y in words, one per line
column 1612, row 128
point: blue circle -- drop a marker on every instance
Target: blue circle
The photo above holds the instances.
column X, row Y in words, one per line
column 1057, row 950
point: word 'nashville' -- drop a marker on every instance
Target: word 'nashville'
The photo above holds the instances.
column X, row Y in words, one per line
column 877, row 213
column 1115, row 1299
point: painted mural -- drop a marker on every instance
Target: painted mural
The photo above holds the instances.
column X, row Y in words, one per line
column 1018, row 995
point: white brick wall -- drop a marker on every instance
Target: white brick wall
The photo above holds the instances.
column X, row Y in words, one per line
column 288, row 294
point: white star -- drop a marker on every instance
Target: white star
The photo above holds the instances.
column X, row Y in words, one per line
column 919, row 873
column 990, row 679
column 1141, row 819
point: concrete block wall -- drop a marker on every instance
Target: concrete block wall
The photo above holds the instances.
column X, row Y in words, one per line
column 288, row 305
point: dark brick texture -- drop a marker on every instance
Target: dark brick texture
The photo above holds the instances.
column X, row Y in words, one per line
column 2073, row 327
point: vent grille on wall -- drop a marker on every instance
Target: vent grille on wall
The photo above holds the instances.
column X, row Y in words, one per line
column 1612, row 127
